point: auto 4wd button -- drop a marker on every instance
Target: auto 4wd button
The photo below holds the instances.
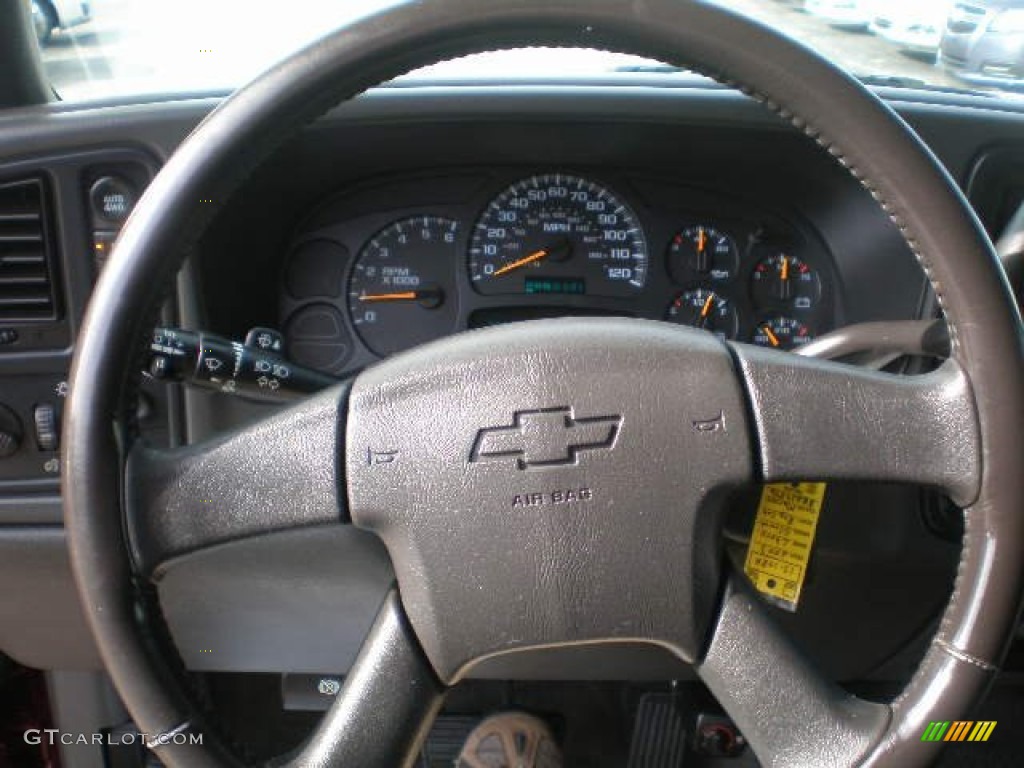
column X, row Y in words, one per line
column 112, row 199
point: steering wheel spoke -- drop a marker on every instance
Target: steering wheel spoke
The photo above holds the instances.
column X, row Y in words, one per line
column 281, row 472
column 782, row 705
column 819, row 420
column 386, row 706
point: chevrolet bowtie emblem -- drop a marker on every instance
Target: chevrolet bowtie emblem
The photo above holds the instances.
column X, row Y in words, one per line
column 548, row 437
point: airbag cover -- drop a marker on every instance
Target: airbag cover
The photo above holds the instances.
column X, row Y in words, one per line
column 551, row 485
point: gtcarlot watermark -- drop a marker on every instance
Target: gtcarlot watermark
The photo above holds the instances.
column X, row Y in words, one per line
column 53, row 737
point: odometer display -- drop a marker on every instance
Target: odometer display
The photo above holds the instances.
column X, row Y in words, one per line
column 555, row 285
column 558, row 230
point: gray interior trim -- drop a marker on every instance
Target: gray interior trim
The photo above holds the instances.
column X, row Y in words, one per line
column 787, row 711
column 83, row 703
column 379, row 719
column 282, row 472
column 41, row 619
column 822, row 420
column 30, row 510
column 878, row 343
column 294, row 601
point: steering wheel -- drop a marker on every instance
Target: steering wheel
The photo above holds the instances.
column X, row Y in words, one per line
column 637, row 558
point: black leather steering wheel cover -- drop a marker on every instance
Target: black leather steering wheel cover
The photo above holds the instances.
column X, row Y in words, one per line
column 849, row 122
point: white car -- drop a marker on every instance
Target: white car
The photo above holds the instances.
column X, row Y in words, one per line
column 51, row 15
column 914, row 25
column 851, row 14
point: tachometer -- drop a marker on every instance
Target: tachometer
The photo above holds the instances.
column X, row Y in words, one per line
column 558, row 234
column 400, row 292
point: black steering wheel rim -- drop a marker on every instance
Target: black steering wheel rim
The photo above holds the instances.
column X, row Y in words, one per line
column 829, row 106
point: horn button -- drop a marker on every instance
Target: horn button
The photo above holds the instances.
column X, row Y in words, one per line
column 551, row 483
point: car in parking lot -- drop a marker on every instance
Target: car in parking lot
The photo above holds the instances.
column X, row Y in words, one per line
column 48, row 16
column 916, row 26
column 850, row 14
column 983, row 42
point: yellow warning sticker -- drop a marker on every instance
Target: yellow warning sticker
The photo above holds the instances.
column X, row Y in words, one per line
column 780, row 544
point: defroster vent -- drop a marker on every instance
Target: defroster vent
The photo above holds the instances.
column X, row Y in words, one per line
column 27, row 285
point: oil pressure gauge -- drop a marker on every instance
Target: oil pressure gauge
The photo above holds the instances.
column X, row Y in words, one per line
column 702, row 253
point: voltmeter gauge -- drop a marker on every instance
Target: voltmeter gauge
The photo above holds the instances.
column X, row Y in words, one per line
column 782, row 333
column 784, row 280
column 706, row 309
column 702, row 253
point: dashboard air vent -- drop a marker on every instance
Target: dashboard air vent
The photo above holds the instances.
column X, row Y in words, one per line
column 26, row 258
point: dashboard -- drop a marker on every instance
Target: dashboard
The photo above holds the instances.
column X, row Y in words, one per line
column 441, row 253
column 412, row 213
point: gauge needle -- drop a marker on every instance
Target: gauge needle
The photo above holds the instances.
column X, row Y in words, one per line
column 771, row 336
column 706, row 308
column 406, row 296
column 784, row 268
column 703, row 262
column 535, row 256
column 429, row 297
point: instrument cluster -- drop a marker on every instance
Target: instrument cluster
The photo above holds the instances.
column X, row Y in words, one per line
column 401, row 262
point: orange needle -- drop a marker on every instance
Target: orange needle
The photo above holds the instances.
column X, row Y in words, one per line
column 784, row 269
column 535, row 256
column 407, row 296
column 702, row 240
column 707, row 306
column 771, row 336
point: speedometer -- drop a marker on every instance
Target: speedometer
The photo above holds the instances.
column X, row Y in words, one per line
column 558, row 234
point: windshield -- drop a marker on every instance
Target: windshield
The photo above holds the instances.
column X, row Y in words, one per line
column 116, row 48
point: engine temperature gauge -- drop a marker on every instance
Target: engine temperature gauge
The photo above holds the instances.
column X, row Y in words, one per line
column 782, row 333
column 703, row 308
column 785, row 279
column 702, row 253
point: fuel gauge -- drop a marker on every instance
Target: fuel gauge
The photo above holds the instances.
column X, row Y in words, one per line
column 703, row 308
column 702, row 253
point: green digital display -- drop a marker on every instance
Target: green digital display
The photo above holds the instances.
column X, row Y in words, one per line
column 555, row 285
